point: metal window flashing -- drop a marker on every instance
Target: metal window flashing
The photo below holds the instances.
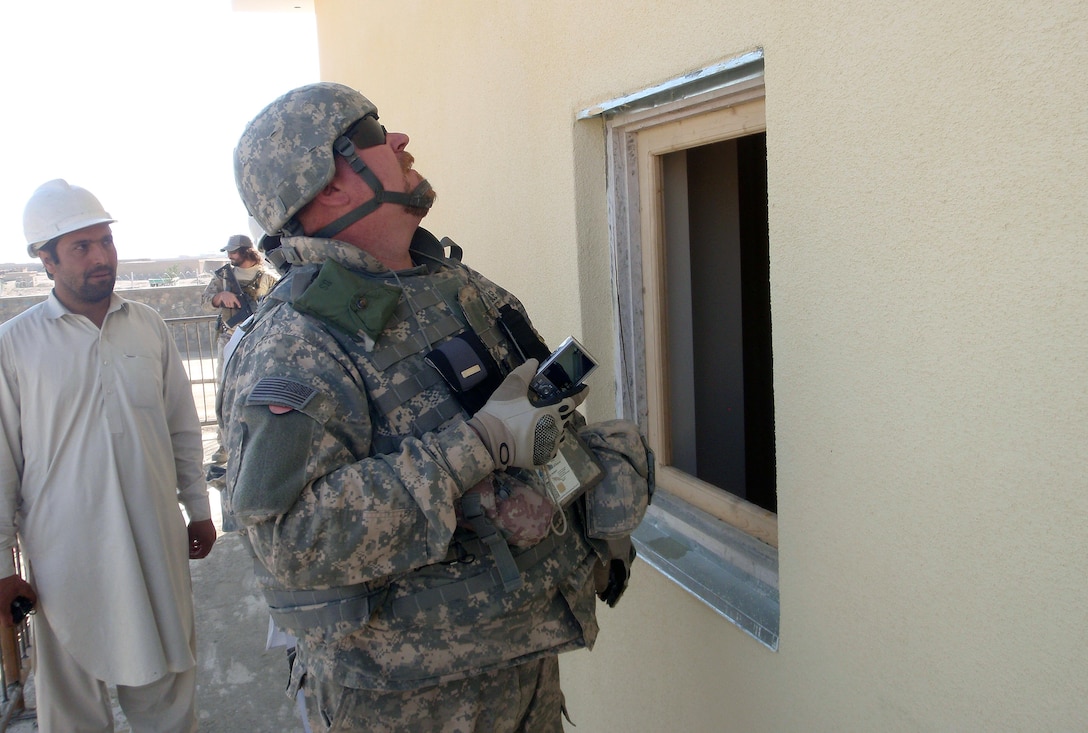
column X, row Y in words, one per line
column 734, row 574
column 695, row 82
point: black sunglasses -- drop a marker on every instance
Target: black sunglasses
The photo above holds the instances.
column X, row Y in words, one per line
column 366, row 132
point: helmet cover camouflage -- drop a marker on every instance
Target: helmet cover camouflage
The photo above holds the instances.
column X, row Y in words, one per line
column 285, row 155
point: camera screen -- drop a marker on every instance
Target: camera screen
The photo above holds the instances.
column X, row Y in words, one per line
column 568, row 366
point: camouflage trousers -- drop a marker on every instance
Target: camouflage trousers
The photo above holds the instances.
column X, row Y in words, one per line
column 522, row 699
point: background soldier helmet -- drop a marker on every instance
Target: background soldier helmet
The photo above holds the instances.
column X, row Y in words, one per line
column 285, row 156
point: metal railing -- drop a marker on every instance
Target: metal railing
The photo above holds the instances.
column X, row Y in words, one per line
column 197, row 339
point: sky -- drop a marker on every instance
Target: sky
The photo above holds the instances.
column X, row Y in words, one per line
column 141, row 102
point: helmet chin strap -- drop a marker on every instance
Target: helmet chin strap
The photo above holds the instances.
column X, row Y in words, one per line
column 417, row 198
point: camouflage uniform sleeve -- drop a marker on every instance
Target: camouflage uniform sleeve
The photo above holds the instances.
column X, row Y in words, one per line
column 215, row 286
column 319, row 510
column 268, row 281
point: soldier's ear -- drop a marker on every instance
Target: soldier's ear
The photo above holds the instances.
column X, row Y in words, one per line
column 331, row 202
column 332, row 195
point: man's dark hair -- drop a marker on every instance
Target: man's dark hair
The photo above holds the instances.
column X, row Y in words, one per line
column 251, row 254
column 50, row 248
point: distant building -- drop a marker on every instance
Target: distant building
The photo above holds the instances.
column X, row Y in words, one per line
column 183, row 267
column 26, row 278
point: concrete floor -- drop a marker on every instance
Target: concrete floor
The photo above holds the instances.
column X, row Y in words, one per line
column 240, row 685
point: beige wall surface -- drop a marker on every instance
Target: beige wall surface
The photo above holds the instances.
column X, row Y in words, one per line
column 927, row 173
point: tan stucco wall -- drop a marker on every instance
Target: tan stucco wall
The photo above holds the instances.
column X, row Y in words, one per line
column 927, row 170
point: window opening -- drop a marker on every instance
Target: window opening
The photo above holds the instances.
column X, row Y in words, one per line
column 687, row 192
column 719, row 387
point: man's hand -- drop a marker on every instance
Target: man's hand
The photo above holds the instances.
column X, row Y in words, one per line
column 12, row 587
column 201, row 538
column 523, row 515
column 226, row 299
column 517, row 432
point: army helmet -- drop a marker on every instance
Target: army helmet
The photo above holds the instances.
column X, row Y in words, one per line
column 285, row 155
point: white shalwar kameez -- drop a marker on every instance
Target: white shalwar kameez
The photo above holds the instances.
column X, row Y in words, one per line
column 100, row 442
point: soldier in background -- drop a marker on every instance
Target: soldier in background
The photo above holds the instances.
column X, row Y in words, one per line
column 234, row 291
column 237, row 287
column 385, row 459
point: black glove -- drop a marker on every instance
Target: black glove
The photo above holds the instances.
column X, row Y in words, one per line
column 612, row 578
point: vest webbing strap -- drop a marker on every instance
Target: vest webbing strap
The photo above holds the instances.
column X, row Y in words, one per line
column 488, row 534
column 462, row 589
column 416, row 343
column 398, row 394
column 302, row 609
column 299, row 609
column 428, row 422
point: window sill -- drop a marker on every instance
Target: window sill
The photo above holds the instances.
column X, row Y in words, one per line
column 733, row 573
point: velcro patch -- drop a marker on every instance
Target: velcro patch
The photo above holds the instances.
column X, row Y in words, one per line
column 281, row 391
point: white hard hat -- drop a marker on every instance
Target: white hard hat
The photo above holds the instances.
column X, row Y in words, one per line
column 58, row 208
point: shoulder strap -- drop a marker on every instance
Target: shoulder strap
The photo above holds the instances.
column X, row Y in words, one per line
column 427, row 246
column 235, row 339
column 490, row 536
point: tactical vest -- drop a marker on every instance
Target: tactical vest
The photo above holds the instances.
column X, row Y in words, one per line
column 386, row 324
column 412, row 315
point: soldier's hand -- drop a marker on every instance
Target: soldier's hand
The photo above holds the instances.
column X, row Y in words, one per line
column 227, row 299
column 524, row 516
column 611, row 577
column 517, row 432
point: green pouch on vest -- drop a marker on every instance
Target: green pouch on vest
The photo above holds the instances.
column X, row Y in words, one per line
column 351, row 303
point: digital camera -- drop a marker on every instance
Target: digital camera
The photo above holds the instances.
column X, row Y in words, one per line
column 561, row 373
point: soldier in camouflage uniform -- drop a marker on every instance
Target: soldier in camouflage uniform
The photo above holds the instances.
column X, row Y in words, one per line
column 234, row 290
column 244, row 277
column 401, row 523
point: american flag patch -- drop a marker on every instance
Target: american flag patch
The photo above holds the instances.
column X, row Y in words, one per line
column 281, row 391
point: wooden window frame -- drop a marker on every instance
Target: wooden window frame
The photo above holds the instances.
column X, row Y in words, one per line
column 719, row 548
column 637, row 140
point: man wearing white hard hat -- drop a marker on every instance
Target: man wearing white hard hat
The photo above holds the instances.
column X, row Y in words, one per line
column 101, row 443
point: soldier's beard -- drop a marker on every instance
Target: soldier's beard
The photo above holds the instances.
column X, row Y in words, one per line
column 406, row 160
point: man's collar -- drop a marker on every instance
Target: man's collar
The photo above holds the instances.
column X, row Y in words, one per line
column 55, row 309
